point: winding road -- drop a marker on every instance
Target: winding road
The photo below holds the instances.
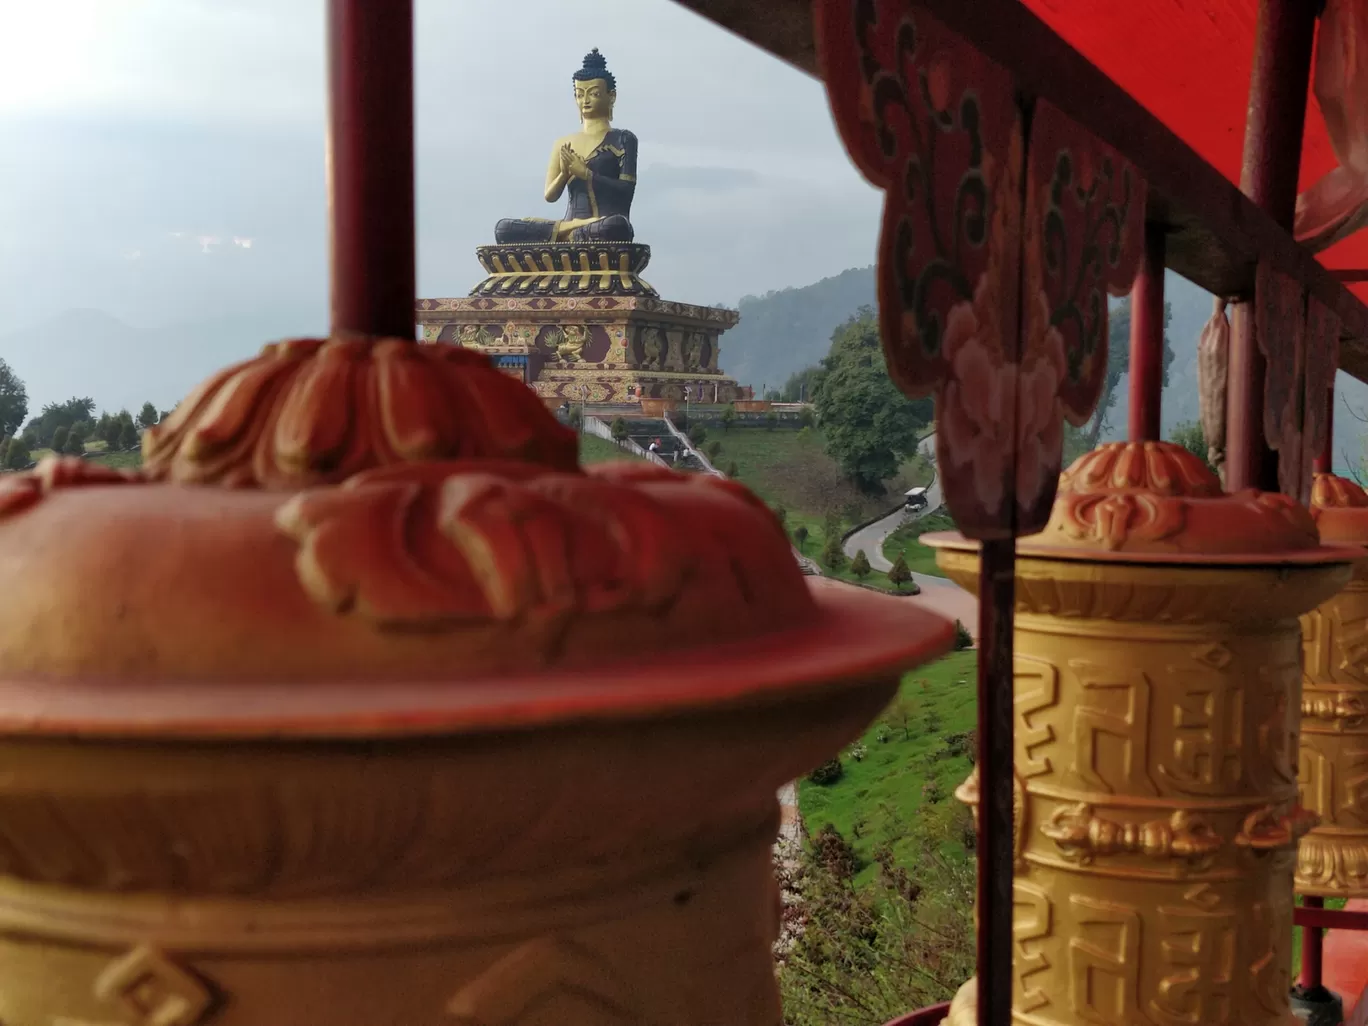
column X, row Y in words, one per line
column 940, row 594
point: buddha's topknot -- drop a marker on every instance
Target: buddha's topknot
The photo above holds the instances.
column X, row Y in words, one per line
column 596, row 66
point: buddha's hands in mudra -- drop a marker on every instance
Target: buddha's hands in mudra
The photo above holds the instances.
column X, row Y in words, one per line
column 573, row 164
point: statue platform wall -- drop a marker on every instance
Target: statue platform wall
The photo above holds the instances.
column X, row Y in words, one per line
column 612, row 345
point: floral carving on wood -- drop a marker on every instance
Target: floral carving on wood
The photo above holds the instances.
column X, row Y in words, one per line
column 315, row 411
column 440, row 545
column 939, row 127
column 1083, row 237
column 1280, row 311
column 1322, row 358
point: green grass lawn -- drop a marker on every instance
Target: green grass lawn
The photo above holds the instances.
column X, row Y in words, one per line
column 921, row 559
column 791, row 469
column 593, row 449
column 908, row 771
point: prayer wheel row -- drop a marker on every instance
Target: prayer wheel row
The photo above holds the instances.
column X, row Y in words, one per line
column 1158, row 691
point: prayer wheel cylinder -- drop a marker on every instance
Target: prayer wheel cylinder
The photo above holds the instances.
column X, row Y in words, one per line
column 1157, row 688
column 310, row 721
column 1332, row 860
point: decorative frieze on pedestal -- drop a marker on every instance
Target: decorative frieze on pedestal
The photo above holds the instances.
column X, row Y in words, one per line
column 618, row 348
column 1158, row 689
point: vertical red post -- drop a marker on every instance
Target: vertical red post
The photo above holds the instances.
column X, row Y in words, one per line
column 1147, row 339
column 370, row 166
column 1272, row 160
column 1325, row 461
column 1312, row 951
column 997, row 601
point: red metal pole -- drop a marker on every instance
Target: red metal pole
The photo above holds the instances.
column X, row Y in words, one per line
column 1272, row 160
column 1325, row 462
column 1147, row 340
column 1312, row 951
column 997, row 600
column 370, row 166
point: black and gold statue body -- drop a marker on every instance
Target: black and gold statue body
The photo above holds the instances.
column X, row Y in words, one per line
column 596, row 166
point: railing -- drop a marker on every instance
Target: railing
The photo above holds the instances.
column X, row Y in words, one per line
column 597, row 428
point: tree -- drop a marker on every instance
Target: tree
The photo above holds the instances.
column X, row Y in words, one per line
column 619, row 430
column 75, row 441
column 5, row 443
column 17, row 455
column 771, row 420
column 963, row 639
column 103, row 427
column 803, row 386
column 13, row 400
column 128, row 435
column 832, row 554
column 781, row 513
column 898, row 574
column 1190, row 436
column 55, row 415
column 713, row 449
column 59, row 438
column 870, row 426
column 800, row 535
column 728, row 416
column 732, row 469
column 147, row 416
column 697, row 435
column 1118, row 366
column 859, row 566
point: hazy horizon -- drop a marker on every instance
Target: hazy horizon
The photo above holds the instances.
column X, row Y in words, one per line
column 164, row 165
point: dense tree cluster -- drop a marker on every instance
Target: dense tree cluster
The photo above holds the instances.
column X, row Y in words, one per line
column 870, row 426
column 69, row 428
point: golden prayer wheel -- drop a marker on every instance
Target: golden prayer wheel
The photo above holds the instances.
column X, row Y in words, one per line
column 1158, row 682
column 311, row 721
column 1332, row 860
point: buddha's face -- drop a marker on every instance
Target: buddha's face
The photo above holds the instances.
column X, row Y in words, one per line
column 594, row 99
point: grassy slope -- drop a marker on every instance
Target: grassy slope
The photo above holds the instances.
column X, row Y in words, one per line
column 921, row 559
column 791, row 469
column 593, row 449
column 884, row 790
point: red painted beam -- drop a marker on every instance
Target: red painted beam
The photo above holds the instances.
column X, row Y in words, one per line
column 370, row 166
column 1147, row 339
column 1330, row 919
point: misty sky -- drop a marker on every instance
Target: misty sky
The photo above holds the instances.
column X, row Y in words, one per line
column 162, row 160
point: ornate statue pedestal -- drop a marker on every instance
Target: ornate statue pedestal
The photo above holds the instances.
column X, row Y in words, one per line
column 576, row 321
column 1158, row 686
column 1332, row 860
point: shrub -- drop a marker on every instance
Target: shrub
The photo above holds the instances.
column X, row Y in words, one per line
column 800, row 535
column 17, row 455
column 575, row 416
column 59, row 438
column 859, row 566
column 857, row 751
column 806, row 417
column 697, row 435
column 75, row 443
column 898, row 574
column 713, row 449
column 827, row 773
column 932, row 792
column 963, row 639
column 728, row 417
column 771, row 420
column 834, row 853
column 619, row 430
column 128, row 435
column 780, row 512
column 732, row 470
column 832, row 555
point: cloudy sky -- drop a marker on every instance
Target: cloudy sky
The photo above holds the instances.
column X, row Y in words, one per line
column 161, row 161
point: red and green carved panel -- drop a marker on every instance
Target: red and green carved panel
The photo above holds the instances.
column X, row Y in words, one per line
column 972, row 213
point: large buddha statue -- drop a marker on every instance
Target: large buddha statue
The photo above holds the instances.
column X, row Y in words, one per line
column 597, row 165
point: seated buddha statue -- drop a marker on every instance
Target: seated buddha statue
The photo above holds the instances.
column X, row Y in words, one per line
column 596, row 165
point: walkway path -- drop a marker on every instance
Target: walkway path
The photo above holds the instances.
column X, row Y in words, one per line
column 938, row 593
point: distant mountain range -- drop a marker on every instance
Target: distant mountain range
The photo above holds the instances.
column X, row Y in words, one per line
column 783, row 332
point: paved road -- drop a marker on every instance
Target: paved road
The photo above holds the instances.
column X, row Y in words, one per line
column 937, row 592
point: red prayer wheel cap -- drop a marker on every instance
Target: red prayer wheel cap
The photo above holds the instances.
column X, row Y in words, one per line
column 1156, row 502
